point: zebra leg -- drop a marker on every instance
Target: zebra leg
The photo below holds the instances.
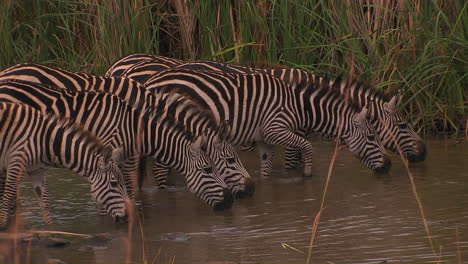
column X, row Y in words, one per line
column 130, row 168
column 160, row 173
column 277, row 134
column 41, row 188
column 15, row 172
column 292, row 158
column 266, row 152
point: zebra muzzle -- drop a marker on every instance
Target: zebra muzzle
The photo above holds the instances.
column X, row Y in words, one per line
column 227, row 201
column 387, row 164
column 420, row 155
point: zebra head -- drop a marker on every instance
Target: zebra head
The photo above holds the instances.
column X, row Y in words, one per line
column 203, row 178
column 108, row 187
column 397, row 135
column 228, row 162
column 365, row 144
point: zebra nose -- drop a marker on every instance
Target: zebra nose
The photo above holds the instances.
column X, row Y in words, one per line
column 420, row 155
column 121, row 219
column 387, row 164
column 248, row 191
column 227, row 201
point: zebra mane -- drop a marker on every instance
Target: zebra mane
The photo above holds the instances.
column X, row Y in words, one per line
column 351, row 86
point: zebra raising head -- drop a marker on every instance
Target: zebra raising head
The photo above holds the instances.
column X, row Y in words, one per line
column 363, row 141
column 397, row 134
column 107, row 185
column 231, row 170
column 203, row 177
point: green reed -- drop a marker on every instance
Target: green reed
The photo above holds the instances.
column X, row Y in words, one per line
column 416, row 45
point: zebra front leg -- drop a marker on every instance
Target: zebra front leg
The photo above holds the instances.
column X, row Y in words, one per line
column 41, row 188
column 266, row 159
column 279, row 135
column 130, row 170
column 15, row 172
column 160, row 173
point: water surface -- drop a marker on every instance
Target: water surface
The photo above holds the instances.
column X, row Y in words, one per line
column 367, row 219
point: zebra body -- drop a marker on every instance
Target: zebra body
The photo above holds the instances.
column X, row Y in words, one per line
column 263, row 109
column 394, row 131
column 117, row 124
column 223, row 155
column 32, row 142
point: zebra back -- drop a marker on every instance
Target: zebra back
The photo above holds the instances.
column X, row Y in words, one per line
column 129, row 90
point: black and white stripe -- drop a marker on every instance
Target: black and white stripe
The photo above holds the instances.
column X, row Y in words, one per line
column 394, row 131
column 264, row 110
column 223, row 155
column 32, row 142
column 117, row 124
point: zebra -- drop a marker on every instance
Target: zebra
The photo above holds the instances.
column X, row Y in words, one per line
column 32, row 142
column 394, row 131
column 224, row 155
column 264, row 110
column 117, row 124
column 241, row 184
column 127, row 63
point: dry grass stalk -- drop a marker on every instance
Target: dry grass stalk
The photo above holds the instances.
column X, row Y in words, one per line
column 322, row 204
column 187, row 22
column 457, row 239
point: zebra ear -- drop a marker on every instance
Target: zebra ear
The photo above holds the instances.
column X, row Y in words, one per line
column 106, row 155
column 198, row 145
column 392, row 105
column 224, row 130
column 118, row 155
column 361, row 117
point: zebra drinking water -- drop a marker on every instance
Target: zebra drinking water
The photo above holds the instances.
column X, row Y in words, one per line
column 394, row 131
column 223, row 154
column 32, row 142
column 264, row 110
column 148, row 134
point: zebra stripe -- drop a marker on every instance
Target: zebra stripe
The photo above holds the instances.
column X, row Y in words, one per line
column 394, row 131
column 117, row 124
column 223, row 155
column 264, row 110
column 122, row 64
column 31, row 142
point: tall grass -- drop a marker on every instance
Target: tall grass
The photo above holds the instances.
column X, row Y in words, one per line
column 418, row 45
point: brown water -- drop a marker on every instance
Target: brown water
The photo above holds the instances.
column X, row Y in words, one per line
column 368, row 218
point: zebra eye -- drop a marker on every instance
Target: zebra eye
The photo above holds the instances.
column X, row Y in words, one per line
column 371, row 138
column 208, row 170
column 402, row 126
column 231, row 160
column 113, row 183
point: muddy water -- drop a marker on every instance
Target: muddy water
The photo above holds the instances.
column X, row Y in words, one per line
column 368, row 218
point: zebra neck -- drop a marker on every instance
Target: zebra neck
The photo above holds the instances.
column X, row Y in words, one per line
column 166, row 142
column 326, row 113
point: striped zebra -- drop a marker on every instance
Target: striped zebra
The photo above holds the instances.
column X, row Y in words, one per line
column 223, row 154
column 148, row 134
column 264, row 110
column 132, row 62
column 394, row 131
column 32, row 142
